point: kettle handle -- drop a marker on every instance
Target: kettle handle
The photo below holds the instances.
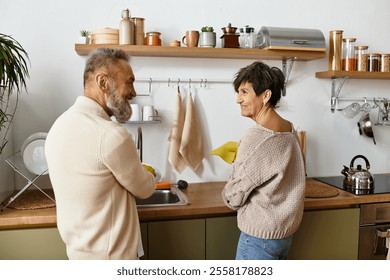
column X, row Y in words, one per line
column 360, row 156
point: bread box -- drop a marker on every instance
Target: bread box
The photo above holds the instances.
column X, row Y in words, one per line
column 283, row 38
column 105, row 36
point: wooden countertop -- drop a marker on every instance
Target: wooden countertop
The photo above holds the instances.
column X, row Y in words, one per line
column 205, row 201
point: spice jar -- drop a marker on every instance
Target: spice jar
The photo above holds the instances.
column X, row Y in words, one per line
column 348, row 57
column 374, row 62
column 247, row 39
column 385, row 63
column 335, row 48
column 138, row 30
column 361, row 58
column 153, row 38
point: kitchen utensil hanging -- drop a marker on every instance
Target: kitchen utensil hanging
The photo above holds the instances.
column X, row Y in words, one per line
column 383, row 111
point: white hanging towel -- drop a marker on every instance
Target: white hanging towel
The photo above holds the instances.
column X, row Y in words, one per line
column 174, row 157
column 191, row 147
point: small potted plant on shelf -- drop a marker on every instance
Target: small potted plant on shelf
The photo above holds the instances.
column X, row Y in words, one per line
column 207, row 38
column 85, row 36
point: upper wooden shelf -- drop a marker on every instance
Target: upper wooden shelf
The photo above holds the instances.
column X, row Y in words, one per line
column 227, row 53
column 353, row 75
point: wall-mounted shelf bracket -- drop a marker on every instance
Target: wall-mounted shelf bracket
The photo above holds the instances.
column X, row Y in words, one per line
column 335, row 92
column 287, row 71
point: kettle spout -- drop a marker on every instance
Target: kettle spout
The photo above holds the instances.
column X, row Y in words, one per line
column 345, row 171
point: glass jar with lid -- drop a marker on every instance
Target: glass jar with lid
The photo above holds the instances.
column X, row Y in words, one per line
column 361, row 58
column 348, row 56
column 374, row 60
column 247, row 37
column 385, row 62
column 153, row 38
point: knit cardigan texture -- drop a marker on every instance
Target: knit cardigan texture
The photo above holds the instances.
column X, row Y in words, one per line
column 267, row 183
column 96, row 174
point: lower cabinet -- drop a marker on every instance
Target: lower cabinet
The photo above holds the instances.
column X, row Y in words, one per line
column 176, row 240
column 221, row 238
column 197, row 239
column 327, row 235
column 32, row 244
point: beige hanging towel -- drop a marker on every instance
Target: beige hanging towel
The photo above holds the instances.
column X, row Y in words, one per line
column 174, row 157
column 191, row 147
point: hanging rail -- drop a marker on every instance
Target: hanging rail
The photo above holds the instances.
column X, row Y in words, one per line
column 177, row 82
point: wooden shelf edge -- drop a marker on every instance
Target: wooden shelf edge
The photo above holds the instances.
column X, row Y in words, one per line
column 226, row 53
column 353, row 75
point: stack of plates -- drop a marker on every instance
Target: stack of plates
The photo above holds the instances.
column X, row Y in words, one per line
column 33, row 153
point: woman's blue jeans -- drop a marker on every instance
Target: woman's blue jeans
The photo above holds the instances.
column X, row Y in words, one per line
column 253, row 248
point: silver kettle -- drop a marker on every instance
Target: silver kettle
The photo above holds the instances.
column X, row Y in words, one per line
column 358, row 178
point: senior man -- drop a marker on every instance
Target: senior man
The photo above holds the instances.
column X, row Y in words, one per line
column 94, row 166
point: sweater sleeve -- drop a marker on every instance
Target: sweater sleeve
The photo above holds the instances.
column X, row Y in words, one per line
column 266, row 163
column 120, row 156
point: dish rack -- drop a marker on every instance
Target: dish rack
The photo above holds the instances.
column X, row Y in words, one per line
column 17, row 164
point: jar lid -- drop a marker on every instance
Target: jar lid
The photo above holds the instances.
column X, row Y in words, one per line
column 247, row 29
column 374, row 54
column 385, row 54
column 349, row 39
column 336, row 31
column 361, row 47
column 153, row 33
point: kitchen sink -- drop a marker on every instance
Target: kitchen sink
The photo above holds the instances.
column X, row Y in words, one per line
column 172, row 197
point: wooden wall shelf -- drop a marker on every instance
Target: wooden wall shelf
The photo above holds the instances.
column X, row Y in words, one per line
column 353, row 75
column 225, row 53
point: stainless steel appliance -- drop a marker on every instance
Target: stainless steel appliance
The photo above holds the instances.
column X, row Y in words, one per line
column 374, row 231
column 382, row 184
column 284, row 38
column 374, row 225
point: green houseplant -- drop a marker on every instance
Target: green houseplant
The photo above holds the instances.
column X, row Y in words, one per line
column 13, row 74
column 207, row 38
column 85, row 35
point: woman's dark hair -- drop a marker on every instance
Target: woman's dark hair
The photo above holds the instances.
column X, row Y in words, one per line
column 262, row 77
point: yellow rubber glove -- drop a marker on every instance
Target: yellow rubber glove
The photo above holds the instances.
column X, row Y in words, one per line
column 150, row 169
column 227, row 151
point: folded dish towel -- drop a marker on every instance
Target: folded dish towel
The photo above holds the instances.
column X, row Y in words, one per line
column 191, row 147
column 227, row 151
column 174, row 157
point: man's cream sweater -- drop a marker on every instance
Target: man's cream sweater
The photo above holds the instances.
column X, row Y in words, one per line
column 96, row 173
column 267, row 184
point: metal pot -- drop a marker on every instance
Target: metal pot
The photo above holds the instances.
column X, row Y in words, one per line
column 358, row 178
column 365, row 127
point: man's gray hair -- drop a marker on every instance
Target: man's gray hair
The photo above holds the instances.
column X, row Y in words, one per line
column 103, row 58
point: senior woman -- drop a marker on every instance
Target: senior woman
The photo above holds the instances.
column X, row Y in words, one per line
column 267, row 182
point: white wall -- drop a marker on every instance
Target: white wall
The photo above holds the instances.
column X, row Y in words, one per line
column 49, row 29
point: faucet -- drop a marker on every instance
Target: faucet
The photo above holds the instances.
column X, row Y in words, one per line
column 139, row 143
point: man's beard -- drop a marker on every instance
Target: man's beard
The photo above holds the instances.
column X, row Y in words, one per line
column 118, row 105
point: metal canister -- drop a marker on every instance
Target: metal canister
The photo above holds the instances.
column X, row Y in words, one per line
column 335, row 48
column 385, row 63
column 153, row 38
